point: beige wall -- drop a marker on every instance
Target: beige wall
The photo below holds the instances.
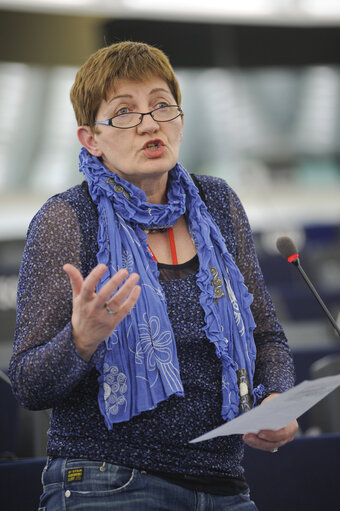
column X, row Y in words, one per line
column 48, row 39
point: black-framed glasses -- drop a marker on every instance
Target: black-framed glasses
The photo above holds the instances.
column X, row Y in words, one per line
column 132, row 119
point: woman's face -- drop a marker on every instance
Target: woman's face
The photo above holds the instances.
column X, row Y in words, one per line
column 146, row 151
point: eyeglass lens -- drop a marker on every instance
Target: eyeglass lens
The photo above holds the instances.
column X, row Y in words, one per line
column 132, row 119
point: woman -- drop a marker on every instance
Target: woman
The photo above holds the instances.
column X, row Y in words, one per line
column 134, row 367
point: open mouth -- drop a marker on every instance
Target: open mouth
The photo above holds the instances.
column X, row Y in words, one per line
column 153, row 145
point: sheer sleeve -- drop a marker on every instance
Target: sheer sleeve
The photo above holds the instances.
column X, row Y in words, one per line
column 274, row 363
column 45, row 366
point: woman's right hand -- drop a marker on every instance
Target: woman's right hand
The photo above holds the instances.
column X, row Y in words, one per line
column 91, row 322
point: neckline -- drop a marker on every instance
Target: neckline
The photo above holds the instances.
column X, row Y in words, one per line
column 178, row 266
column 172, row 248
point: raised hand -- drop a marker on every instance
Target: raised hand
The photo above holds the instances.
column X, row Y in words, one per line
column 96, row 315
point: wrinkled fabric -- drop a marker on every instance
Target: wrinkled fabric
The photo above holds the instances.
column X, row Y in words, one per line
column 140, row 366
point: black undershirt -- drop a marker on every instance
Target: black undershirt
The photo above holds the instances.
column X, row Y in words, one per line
column 216, row 485
column 178, row 271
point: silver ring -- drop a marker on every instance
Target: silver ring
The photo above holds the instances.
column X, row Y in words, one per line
column 110, row 311
column 274, row 450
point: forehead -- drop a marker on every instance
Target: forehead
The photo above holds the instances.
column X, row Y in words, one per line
column 138, row 88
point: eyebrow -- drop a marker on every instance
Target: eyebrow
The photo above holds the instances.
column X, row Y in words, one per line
column 119, row 97
column 153, row 91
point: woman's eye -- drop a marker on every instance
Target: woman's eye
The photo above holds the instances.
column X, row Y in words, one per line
column 162, row 104
column 122, row 111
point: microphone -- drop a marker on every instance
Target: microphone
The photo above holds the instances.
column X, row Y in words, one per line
column 288, row 250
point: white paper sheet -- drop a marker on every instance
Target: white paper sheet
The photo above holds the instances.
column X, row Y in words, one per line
column 279, row 411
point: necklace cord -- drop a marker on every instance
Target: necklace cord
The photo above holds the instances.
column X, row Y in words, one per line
column 172, row 247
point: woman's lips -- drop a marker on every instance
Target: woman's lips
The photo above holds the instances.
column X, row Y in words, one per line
column 154, row 148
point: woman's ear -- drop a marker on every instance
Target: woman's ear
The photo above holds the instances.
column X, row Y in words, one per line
column 181, row 136
column 87, row 137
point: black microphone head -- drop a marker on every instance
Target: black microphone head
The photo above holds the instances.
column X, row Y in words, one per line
column 287, row 248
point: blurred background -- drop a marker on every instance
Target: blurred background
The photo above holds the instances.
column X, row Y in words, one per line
column 260, row 82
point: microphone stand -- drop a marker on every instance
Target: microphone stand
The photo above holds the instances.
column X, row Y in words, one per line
column 296, row 263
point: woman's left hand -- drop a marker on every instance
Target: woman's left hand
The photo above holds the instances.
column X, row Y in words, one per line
column 269, row 440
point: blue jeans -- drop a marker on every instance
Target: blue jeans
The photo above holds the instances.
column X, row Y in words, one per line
column 84, row 485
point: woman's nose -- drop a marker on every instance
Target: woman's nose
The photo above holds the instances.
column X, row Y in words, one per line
column 148, row 124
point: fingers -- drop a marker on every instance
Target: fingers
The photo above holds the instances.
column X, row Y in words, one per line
column 114, row 302
column 260, row 442
column 282, row 435
column 85, row 289
column 76, row 278
column 90, row 283
column 267, row 440
column 126, row 302
column 79, row 285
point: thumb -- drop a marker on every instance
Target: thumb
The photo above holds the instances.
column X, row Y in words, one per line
column 76, row 278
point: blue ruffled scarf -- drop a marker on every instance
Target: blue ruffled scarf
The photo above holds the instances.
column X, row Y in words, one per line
column 140, row 366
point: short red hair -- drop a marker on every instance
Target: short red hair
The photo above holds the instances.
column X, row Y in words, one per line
column 124, row 60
